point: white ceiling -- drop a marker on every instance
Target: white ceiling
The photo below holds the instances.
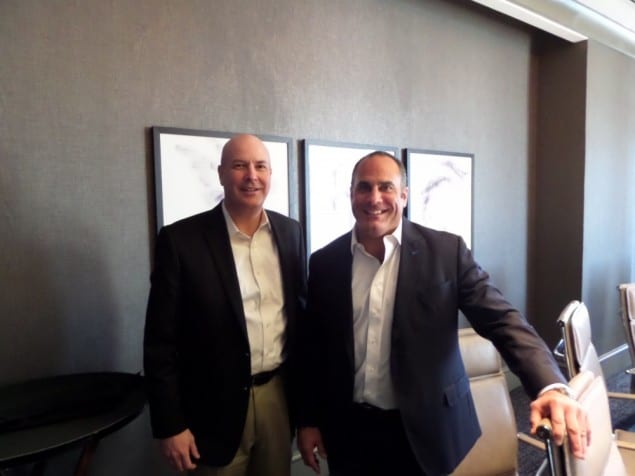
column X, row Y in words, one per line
column 621, row 12
column 611, row 22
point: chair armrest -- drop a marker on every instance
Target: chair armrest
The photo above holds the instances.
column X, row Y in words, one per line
column 530, row 440
column 627, row 445
column 624, row 435
column 627, row 451
column 625, row 396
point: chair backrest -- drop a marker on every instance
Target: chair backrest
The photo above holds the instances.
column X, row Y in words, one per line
column 627, row 311
column 579, row 351
column 496, row 451
column 602, row 457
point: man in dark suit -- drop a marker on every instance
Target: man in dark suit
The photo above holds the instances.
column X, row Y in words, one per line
column 227, row 288
column 385, row 391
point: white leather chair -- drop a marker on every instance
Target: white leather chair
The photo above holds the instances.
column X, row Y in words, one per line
column 627, row 312
column 579, row 351
column 496, row 451
column 606, row 454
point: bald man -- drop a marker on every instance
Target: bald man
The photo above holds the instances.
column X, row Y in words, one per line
column 227, row 287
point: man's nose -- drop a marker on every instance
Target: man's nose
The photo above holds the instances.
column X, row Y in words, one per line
column 375, row 194
column 251, row 170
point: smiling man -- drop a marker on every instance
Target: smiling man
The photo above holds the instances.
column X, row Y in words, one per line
column 384, row 390
column 227, row 287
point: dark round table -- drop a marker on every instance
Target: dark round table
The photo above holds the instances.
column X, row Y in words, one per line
column 43, row 417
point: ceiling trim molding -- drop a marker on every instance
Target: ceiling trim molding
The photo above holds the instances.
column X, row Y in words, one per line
column 533, row 18
column 575, row 16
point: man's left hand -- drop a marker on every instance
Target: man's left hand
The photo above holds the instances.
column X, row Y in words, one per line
column 567, row 418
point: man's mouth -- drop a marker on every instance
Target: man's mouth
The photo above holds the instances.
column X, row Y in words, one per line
column 374, row 212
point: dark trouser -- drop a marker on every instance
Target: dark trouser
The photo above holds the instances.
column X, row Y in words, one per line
column 375, row 445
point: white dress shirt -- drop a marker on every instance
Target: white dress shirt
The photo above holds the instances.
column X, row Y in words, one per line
column 373, row 288
column 258, row 269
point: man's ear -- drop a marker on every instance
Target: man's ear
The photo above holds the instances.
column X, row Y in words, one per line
column 404, row 196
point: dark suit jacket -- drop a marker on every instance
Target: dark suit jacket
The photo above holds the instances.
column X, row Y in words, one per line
column 196, row 350
column 437, row 277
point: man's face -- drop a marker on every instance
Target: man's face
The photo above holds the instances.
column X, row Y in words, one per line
column 377, row 197
column 245, row 174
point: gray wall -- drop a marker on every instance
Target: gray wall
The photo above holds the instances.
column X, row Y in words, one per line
column 609, row 189
column 81, row 83
column 583, row 203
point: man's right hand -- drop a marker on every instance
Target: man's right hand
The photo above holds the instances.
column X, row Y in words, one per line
column 310, row 438
column 179, row 450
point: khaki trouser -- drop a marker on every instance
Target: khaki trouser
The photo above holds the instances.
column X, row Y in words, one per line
column 265, row 447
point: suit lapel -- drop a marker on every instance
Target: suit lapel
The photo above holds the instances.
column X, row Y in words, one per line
column 413, row 272
column 343, row 262
column 217, row 238
column 285, row 245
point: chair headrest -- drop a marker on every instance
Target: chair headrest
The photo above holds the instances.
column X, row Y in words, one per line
column 581, row 328
column 480, row 357
column 628, row 300
column 579, row 350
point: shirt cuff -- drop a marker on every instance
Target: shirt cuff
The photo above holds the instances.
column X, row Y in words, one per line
column 561, row 387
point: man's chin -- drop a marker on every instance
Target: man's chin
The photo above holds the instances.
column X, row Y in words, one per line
column 248, row 203
column 370, row 231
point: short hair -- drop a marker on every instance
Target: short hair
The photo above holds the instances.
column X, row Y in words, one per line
column 381, row 153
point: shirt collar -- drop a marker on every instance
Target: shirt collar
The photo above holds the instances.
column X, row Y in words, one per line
column 232, row 229
column 395, row 236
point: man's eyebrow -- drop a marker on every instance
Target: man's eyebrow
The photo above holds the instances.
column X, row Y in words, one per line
column 362, row 182
column 249, row 159
column 368, row 183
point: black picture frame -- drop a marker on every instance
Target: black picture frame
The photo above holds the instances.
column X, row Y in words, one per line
column 186, row 177
column 328, row 166
column 441, row 190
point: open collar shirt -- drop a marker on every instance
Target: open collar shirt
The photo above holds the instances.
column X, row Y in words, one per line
column 259, row 276
column 373, row 288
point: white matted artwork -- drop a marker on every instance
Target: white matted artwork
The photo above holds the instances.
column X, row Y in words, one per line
column 328, row 167
column 440, row 191
column 186, row 176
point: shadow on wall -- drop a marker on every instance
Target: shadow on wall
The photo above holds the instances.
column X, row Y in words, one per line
column 58, row 316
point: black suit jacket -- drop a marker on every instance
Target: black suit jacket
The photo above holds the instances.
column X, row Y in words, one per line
column 437, row 277
column 196, row 350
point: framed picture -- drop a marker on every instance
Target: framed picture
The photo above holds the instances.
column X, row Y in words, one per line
column 440, row 191
column 186, row 176
column 327, row 176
